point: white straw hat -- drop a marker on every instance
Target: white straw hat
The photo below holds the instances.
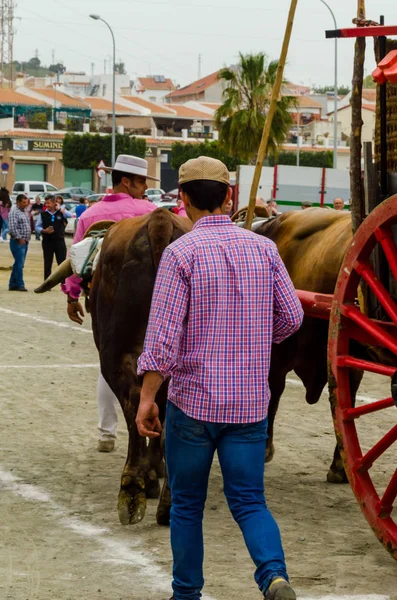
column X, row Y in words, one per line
column 133, row 165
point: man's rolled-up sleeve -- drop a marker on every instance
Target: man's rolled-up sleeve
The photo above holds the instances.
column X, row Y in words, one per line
column 287, row 313
column 169, row 308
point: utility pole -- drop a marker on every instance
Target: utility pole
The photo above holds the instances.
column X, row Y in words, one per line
column 92, row 69
column 6, row 38
column 199, row 66
column 53, row 56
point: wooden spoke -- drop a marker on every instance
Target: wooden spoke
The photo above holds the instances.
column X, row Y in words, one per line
column 376, row 451
column 364, row 269
column 367, row 409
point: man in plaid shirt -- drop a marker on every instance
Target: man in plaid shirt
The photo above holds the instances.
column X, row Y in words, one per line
column 222, row 297
column 19, row 229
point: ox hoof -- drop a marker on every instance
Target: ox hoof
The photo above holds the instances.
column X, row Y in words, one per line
column 131, row 506
column 337, row 476
column 152, row 485
column 270, row 450
column 163, row 514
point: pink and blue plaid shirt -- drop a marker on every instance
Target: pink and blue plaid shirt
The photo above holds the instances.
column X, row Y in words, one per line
column 222, row 296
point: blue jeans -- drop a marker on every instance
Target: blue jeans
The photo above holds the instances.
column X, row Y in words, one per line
column 19, row 254
column 190, row 448
column 4, row 229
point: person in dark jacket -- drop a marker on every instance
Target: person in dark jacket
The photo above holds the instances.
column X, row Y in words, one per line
column 51, row 225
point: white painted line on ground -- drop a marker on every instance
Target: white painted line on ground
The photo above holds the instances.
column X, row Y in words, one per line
column 298, row 383
column 64, row 366
column 112, row 550
column 44, row 321
column 347, row 597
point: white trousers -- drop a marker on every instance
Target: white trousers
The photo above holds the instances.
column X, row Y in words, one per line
column 108, row 406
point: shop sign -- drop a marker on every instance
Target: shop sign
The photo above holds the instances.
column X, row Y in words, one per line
column 47, row 145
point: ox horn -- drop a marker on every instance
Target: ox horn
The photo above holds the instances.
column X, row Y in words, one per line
column 58, row 276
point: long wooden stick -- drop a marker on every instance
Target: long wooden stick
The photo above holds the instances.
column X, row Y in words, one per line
column 356, row 186
column 269, row 118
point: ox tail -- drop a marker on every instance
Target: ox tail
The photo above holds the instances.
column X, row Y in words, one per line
column 161, row 232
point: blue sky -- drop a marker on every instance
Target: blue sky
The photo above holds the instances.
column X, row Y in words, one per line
column 167, row 36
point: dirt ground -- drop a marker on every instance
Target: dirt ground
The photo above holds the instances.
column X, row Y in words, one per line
column 60, row 535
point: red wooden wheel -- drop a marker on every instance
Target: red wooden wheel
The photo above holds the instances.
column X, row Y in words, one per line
column 370, row 462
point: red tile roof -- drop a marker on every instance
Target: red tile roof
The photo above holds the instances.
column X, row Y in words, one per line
column 369, row 95
column 189, row 113
column 371, row 107
column 307, row 102
column 148, row 83
column 105, row 105
column 152, row 106
column 212, row 105
column 11, row 97
column 37, row 135
column 60, row 97
column 196, row 87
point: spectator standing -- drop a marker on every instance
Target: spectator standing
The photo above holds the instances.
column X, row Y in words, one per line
column 339, row 204
column 20, row 232
column 36, row 210
column 179, row 209
column 51, row 225
column 81, row 207
column 229, row 208
column 5, row 207
column 306, row 204
column 218, row 398
column 272, row 208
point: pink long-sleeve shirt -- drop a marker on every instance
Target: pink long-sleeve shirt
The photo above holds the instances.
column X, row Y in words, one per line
column 113, row 207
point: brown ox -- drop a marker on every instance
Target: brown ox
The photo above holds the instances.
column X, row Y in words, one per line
column 312, row 244
column 120, row 297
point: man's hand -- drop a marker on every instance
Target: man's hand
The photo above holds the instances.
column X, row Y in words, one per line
column 76, row 312
column 147, row 419
column 21, row 242
column 49, row 229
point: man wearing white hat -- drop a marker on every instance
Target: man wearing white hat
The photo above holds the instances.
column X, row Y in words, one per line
column 129, row 185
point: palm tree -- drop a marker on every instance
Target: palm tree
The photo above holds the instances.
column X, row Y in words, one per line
column 247, row 95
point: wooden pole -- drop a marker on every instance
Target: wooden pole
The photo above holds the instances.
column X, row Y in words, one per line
column 269, row 118
column 356, row 187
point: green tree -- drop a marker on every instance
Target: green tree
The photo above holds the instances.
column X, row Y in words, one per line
column 86, row 151
column 57, row 68
column 120, row 68
column 306, row 159
column 343, row 90
column 247, row 95
column 34, row 62
column 369, row 83
column 180, row 153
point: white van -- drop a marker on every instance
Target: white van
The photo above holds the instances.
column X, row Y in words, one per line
column 31, row 189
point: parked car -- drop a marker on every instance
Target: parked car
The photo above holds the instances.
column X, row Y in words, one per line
column 66, row 196
column 171, row 196
column 77, row 192
column 31, row 189
column 95, row 198
column 154, row 194
column 166, row 205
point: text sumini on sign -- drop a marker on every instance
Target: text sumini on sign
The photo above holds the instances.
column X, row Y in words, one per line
column 54, row 146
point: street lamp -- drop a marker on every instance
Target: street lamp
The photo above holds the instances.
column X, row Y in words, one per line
column 98, row 18
column 335, row 90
